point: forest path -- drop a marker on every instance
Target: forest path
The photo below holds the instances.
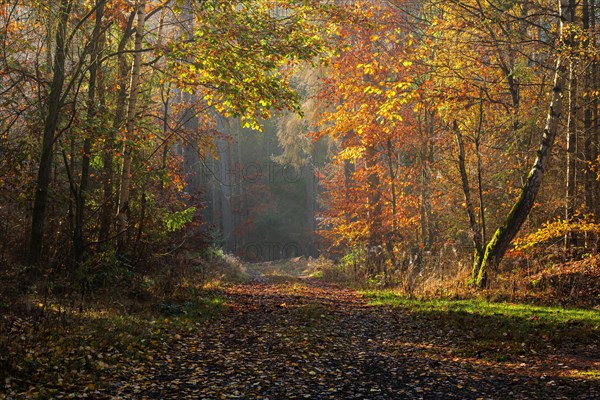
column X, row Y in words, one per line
column 293, row 337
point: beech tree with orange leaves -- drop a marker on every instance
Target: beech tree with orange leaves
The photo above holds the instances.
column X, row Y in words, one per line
column 371, row 195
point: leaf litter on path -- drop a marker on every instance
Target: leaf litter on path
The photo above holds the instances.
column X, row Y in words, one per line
column 307, row 340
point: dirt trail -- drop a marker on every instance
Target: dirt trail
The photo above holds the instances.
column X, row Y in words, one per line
column 290, row 337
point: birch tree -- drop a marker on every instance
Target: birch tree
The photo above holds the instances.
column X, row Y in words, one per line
column 499, row 243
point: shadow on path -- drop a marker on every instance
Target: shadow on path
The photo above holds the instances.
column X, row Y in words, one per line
column 292, row 337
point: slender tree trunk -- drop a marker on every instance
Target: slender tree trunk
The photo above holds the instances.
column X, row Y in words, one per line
column 374, row 210
column 124, row 192
column 392, row 172
column 590, row 126
column 311, row 195
column 498, row 245
column 429, row 161
column 349, row 169
column 571, row 191
column 391, row 239
column 50, row 127
column 108, row 203
column 425, row 130
column 165, row 94
column 70, row 168
column 595, row 126
column 478, row 135
column 141, row 225
column 475, row 230
column 97, row 46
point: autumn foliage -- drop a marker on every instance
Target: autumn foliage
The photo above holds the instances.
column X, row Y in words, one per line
column 435, row 112
column 430, row 114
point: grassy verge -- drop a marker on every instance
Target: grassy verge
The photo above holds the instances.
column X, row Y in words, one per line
column 498, row 330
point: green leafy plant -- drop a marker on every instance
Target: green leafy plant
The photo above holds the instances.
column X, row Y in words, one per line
column 177, row 220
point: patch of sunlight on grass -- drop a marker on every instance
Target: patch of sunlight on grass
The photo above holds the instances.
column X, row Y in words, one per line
column 542, row 314
column 496, row 331
column 590, row 374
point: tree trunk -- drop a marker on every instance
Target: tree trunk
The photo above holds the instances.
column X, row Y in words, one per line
column 498, row 245
column 124, row 192
column 595, row 127
column 429, row 162
column 475, row 229
column 391, row 239
column 140, row 232
column 425, row 128
column 478, row 133
column 571, row 191
column 50, row 127
column 590, row 123
column 590, row 126
column 311, row 196
column 108, row 203
column 97, row 45
column 595, row 132
column 374, row 210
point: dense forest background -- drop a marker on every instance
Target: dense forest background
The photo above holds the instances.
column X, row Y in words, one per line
column 394, row 138
column 256, row 206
